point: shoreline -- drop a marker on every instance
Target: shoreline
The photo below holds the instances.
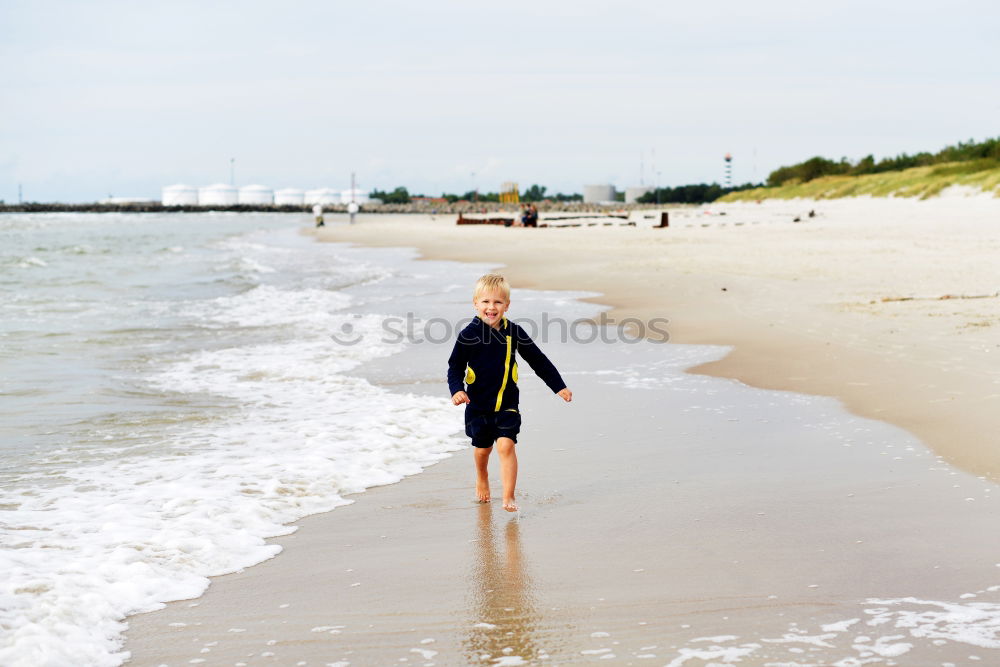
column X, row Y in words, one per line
column 702, row 543
column 785, row 333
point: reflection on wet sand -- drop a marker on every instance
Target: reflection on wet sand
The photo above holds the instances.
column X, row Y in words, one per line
column 504, row 623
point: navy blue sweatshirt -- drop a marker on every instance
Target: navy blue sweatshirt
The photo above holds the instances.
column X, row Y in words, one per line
column 483, row 365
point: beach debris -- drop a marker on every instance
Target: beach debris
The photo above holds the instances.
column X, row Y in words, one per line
column 462, row 220
column 594, row 220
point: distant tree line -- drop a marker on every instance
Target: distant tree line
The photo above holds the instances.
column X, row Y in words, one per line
column 398, row 196
column 537, row 193
column 534, row 193
column 985, row 153
column 699, row 193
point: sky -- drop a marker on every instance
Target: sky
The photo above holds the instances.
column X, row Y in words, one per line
column 104, row 98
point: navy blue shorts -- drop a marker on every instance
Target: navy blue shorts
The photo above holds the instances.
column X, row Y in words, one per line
column 484, row 429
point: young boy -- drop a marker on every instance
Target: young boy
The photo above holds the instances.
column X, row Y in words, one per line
column 482, row 373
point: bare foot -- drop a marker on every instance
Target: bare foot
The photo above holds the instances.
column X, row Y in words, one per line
column 510, row 505
column 483, row 491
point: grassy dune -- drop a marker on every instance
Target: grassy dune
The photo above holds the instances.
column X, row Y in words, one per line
column 922, row 182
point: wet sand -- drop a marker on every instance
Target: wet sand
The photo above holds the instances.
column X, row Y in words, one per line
column 668, row 518
column 655, row 514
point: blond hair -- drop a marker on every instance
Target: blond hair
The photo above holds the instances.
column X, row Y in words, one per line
column 492, row 282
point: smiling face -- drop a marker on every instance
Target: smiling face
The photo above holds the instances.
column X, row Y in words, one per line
column 491, row 306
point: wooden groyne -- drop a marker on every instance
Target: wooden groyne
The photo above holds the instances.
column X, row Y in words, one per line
column 574, row 220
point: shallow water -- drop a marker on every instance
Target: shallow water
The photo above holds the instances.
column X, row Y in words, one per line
column 171, row 397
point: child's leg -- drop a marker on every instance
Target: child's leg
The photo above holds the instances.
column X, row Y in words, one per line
column 482, row 458
column 508, row 471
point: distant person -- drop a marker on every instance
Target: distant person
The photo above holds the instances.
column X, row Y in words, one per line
column 532, row 216
column 318, row 214
column 482, row 374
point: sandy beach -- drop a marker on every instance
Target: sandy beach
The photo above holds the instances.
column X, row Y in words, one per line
column 668, row 517
column 867, row 302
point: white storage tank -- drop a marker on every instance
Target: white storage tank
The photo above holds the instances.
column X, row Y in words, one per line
column 355, row 195
column 290, row 196
column 632, row 194
column 180, row 195
column 322, row 196
column 598, row 194
column 219, row 194
column 256, row 194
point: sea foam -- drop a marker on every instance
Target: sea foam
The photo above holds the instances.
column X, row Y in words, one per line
column 290, row 433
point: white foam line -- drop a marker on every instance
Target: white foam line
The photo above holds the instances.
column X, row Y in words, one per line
column 128, row 534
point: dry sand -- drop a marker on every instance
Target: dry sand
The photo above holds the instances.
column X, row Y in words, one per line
column 680, row 519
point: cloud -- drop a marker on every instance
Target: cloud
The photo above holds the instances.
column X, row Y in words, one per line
column 108, row 95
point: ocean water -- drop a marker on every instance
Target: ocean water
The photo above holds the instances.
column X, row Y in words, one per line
column 172, row 395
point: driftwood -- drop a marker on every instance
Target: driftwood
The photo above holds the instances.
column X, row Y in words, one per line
column 596, row 215
column 462, row 220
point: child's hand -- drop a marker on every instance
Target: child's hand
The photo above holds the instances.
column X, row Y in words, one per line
column 565, row 394
column 459, row 398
